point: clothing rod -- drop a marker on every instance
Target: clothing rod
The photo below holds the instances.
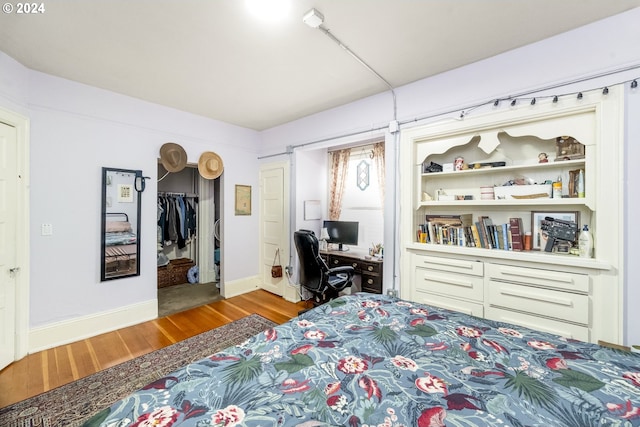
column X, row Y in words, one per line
column 170, row 193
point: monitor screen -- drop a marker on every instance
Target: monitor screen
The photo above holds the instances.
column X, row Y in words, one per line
column 342, row 232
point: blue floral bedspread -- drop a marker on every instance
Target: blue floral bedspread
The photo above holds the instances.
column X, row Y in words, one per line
column 373, row 360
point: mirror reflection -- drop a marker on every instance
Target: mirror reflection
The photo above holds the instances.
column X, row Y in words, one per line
column 120, row 224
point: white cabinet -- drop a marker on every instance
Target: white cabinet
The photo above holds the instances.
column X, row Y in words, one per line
column 449, row 283
column 561, row 293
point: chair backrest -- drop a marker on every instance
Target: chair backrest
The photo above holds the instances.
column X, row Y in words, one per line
column 312, row 267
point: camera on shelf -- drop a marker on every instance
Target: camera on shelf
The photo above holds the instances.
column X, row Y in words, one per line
column 557, row 232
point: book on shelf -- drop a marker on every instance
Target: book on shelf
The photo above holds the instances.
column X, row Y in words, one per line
column 460, row 230
column 455, row 220
column 486, row 225
column 481, row 234
column 517, row 233
column 505, row 237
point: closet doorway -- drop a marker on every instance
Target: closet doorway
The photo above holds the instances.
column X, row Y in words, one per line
column 189, row 254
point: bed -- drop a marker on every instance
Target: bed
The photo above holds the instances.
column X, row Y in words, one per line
column 374, row 360
column 120, row 245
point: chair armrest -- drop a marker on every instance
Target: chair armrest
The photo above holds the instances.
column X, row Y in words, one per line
column 342, row 269
column 340, row 277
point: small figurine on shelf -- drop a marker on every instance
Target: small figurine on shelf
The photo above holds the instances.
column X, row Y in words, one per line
column 458, row 164
column 542, row 158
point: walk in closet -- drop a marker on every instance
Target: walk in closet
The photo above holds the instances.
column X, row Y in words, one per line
column 184, row 238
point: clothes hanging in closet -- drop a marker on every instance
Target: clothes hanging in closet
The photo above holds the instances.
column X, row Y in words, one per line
column 176, row 219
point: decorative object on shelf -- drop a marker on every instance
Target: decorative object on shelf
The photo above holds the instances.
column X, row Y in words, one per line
column 580, row 184
column 568, row 148
column 458, row 163
column 527, row 241
column 585, row 242
column 431, row 167
column 539, row 238
column 543, row 158
column 557, row 188
column 243, row 200
column 487, row 193
column 558, row 234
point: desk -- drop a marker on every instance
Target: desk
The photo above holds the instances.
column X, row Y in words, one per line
column 370, row 270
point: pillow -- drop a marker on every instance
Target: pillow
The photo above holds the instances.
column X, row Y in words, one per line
column 117, row 226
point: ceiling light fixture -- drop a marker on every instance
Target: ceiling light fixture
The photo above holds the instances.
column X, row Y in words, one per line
column 269, row 10
column 313, row 18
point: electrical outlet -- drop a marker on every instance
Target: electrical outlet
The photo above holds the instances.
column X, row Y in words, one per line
column 392, row 293
column 289, row 270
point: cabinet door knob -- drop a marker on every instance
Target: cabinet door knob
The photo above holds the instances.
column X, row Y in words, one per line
column 370, row 281
column 370, row 268
column 354, row 265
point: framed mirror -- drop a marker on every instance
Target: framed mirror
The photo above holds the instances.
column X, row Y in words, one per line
column 120, row 242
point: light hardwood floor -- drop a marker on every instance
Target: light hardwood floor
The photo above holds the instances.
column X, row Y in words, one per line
column 45, row 370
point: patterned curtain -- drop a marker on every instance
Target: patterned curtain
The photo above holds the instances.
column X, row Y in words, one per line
column 338, row 175
column 378, row 160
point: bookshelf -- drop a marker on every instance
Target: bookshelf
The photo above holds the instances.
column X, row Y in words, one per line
column 500, row 147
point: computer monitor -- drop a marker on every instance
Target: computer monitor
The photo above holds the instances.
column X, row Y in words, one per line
column 342, row 232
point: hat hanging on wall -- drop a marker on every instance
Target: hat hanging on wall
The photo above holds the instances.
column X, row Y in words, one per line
column 210, row 165
column 173, row 157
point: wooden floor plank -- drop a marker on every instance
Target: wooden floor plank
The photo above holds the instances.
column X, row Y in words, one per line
column 39, row 372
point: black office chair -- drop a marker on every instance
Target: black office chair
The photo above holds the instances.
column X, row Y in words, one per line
column 323, row 282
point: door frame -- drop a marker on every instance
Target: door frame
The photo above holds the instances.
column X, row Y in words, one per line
column 21, row 124
column 289, row 292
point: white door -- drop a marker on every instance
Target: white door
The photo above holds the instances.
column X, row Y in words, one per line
column 8, row 268
column 274, row 224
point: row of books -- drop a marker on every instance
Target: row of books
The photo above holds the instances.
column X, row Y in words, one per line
column 461, row 230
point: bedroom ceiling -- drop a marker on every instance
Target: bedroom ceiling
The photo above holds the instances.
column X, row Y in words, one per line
column 215, row 59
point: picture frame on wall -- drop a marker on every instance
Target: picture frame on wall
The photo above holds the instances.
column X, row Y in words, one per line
column 539, row 240
column 243, row 200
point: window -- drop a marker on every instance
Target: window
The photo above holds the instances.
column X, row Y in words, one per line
column 363, row 203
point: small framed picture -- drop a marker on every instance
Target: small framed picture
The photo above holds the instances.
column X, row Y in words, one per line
column 538, row 237
column 243, row 200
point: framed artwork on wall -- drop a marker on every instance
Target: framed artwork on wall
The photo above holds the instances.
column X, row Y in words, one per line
column 243, row 200
column 539, row 238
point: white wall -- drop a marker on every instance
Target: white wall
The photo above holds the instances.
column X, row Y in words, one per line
column 75, row 131
column 589, row 51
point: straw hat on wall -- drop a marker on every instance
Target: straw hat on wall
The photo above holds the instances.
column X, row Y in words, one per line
column 210, row 165
column 173, row 157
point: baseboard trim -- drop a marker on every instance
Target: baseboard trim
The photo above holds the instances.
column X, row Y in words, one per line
column 60, row 333
column 242, row 286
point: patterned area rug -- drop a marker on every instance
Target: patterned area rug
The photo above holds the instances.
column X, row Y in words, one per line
column 71, row 404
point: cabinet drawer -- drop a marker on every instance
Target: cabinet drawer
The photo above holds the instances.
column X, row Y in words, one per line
column 456, row 285
column 371, row 283
column 556, row 327
column 533, row 276
column 466, row 307
column 452, row 265
column 541, row 302
column 370, row 267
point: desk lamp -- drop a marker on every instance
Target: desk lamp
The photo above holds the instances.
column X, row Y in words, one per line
column 324, row 236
